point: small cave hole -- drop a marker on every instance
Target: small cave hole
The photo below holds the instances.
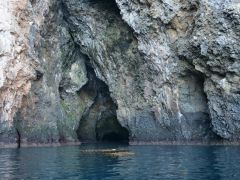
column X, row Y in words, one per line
column 39, row 75
column 33, row 2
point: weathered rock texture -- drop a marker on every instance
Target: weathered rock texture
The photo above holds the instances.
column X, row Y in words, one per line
column 152, row 70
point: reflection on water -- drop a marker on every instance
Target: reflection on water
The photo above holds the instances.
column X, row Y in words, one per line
column 140, row 162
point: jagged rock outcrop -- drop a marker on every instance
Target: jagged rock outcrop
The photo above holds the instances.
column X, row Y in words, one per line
column 204, row 35
column 161, row 70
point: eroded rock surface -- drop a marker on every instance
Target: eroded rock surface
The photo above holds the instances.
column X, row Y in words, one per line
column 162, row 70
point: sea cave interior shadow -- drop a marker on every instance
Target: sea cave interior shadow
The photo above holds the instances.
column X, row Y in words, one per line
column 114, row 137
column 99, row 122
column 109, row 5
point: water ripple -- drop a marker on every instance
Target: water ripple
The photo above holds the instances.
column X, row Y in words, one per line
column 133, row 162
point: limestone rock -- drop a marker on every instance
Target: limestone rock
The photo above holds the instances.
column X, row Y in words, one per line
column 162, row 70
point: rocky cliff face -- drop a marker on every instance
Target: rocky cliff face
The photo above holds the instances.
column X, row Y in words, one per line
column 138, row 70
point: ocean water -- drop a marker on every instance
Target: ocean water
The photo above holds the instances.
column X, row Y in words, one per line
column 127, row 162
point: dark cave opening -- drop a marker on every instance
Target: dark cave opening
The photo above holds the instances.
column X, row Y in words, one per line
column 33, row 2
column 113, row 137
column 109, row 5
column 110, row 130
column 99, row 122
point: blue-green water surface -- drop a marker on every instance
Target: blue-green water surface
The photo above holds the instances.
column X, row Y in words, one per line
column 138, row 162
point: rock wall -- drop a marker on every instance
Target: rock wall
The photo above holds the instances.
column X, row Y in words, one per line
column 194, row 36
column 17, row 59
column 162, row 70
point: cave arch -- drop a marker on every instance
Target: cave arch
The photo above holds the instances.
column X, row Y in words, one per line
column 99, row 122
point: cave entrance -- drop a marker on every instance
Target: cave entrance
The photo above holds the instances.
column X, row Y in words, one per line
column 99, row 122
column 110, row 130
